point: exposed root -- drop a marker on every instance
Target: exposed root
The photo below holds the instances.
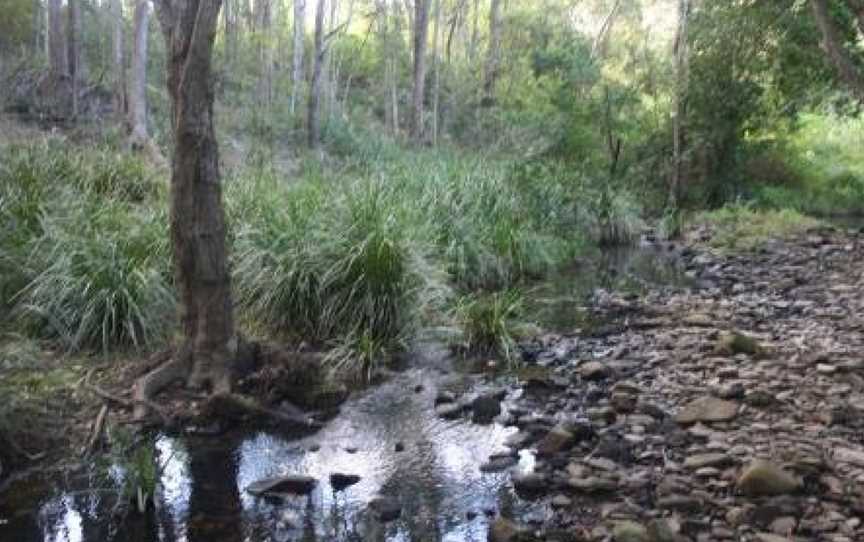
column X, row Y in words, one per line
column 244, row 409
column 155, row 381
column 98, row 429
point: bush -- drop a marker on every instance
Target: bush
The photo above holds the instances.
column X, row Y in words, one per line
column 100, row 278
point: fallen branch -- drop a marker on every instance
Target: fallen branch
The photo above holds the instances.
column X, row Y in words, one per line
column 98, row 429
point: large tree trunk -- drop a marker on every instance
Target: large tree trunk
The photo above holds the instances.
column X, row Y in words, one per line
column 58, row 58
column 197, row 217
column 297, row 54
column 836, row 51
column 138, row 87
column 421, row 30
column 119, row 60
column 493, row 54
column 314, row 118
column 680, row 51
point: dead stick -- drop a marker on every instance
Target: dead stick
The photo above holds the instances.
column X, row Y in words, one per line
column 98, row 427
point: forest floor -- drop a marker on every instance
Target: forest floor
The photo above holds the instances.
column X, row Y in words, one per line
column 729, row 411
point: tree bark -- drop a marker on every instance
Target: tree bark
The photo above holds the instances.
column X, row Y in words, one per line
column 138, row 82
column 680, row 51
column 119, row 60
column 263, row 17
column 297, row 54
column 314, row 120
column 58, row 58
column 76, row 67
column 197, row 216
column 836, row 51
column 421, row 30
column 493, row 53
column 436, row 68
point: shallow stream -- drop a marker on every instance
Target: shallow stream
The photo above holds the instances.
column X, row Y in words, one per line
column 389, row 435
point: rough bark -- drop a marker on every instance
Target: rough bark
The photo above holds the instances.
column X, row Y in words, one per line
column 680, row 52
column 834, row 48
column 421, row 30
column 58, row 58
column 197, row 216
column 298, row 52
column 314, row 113
column 138, row 81
column 119, row 60
column 493, row 53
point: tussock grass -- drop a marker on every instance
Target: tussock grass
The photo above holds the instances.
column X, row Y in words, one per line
column 739, row 226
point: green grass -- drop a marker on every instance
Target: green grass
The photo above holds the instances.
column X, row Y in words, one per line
column 739, row 226
column 491, row 323
column 357, row 255
column 820, row 170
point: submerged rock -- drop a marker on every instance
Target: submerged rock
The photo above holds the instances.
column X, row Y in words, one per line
column 293, row 483
column 485, row 408
column 386, row 509
column 340, row 481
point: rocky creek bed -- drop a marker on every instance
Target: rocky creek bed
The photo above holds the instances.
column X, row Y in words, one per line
column 721, row 407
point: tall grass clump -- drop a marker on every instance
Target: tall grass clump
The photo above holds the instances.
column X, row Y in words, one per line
column 491, row 323
column 101, row 278
column 339, row 267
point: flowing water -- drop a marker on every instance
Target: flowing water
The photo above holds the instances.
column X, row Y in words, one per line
column 201, row 485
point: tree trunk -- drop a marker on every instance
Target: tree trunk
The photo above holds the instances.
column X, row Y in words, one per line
column 314, row 120
column 436, row 67
column 58, row 58
column 76, row 67
column 493, row 53
column 263, row 16
column 197, row 217
column 834, row 48
column 229, row 16
column 421, row 29
column 138, row 82
column 119, row 60
column 680, row 51
column 297, row 54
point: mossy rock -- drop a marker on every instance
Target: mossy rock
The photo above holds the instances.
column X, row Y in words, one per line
column 733, row 343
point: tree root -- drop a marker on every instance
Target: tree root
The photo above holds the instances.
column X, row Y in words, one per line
column 239, row 408
column 155, row 381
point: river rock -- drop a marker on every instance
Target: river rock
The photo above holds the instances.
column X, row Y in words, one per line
column 504, row 530
column 340, row 481
column 593, row 370
column 556, row 440
column 699, row 461
column 530, row 483
column 448, row 411
column 732, row 343
column 293, row 483
column 498, row 463
column 707, row 409
column 485, row 408
column 630, row 531
column 386, row 509
column 765, row 478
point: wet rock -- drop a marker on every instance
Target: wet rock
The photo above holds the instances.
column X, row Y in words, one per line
column 733, row 343
column 707, row 460
column 623, row 403
column 592, row 484
column 448, row 411
column 765, row 478
column 399, row 447
column 556, row 440
column 630, row 531
column 707, row 409
column 659, row 530
column 760, row 398
column 498, row 463
column 386, row 509
column 504, row 530
column 530, row 483
column 485, row 408
column 783, row 525
column 340, row 481
column 292, row 483
column 680, row 503
column 849, row 455
column 444, row 397
column 593, row 370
